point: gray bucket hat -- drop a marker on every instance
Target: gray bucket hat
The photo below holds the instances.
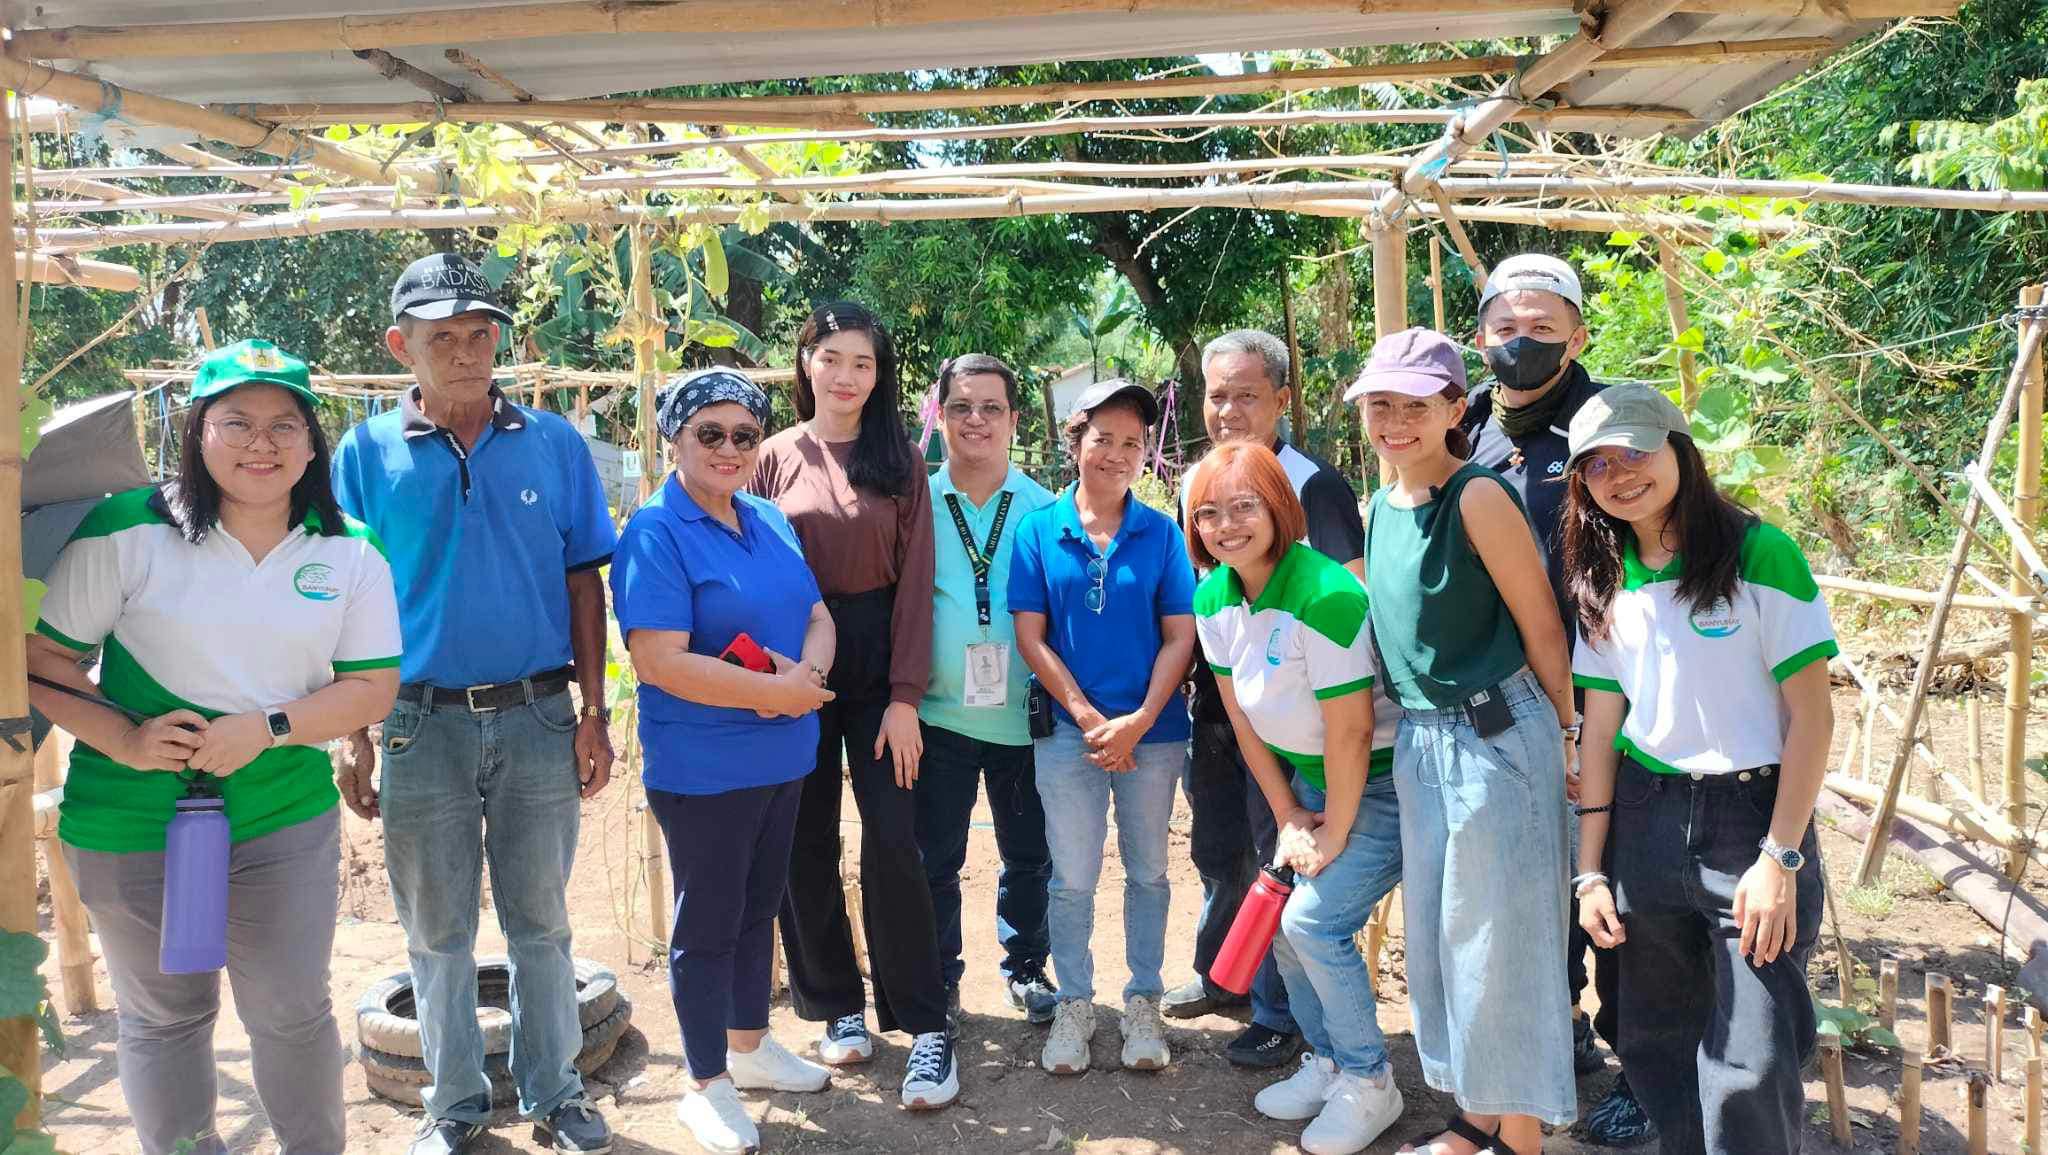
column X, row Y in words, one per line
column 1634, row 415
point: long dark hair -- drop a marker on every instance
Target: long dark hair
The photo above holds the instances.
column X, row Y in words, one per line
column 1709, row 525
column 882, row 461
column 196, row 505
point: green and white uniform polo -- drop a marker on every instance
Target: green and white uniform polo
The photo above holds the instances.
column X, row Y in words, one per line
column 1702, row 682
column 207, row 628
column 1305, row 640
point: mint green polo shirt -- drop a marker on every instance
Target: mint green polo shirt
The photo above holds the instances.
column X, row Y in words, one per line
column 954, row 622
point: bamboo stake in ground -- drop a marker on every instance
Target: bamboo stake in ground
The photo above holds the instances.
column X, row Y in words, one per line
column 2033, row 1138
column 1888, row 994
column 2019, row 671
column 1849, row 748
column 1976, row 1092
column 1994, row 1032
column 1940, row 1006
column 1909, row 1101
column 643, row 317
column 74, row 933
column 1838, row 1098
column 2032, row 1020
column 1973, row 716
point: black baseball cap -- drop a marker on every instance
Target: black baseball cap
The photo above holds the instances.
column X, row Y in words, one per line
column 1099, row 394
column 442, row 286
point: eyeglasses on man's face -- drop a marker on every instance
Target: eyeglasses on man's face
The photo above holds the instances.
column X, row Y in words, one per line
column 990, row 411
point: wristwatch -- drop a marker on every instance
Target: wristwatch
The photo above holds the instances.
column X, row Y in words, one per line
column 280, row 724
column 1786, row 857
column 601, row 713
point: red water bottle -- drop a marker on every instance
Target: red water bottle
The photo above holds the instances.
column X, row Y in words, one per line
column 1252, row 933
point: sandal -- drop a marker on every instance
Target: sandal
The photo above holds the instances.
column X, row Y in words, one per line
column 1462, row 1127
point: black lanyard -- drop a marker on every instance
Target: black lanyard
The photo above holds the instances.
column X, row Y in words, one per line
column 982, row 558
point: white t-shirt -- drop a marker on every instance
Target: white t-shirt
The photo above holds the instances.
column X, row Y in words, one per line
column 1702, row 682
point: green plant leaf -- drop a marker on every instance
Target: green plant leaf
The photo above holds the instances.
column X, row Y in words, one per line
column 22, row 991
column 717, row 280
column 34, row 412
column 32, row 1143
column 32, row 592
column 1881, row 1037
column 53, row 1031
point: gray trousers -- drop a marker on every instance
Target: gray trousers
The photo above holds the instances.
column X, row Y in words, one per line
column 283, row 889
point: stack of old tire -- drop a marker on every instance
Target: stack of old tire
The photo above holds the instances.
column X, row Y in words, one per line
column 388, row 1030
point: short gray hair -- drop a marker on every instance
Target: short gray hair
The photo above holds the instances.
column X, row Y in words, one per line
column 1265, row 346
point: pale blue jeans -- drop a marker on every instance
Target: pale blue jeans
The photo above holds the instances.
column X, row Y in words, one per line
column 1483, row 844
column 1328, row 986
column 1077, row 797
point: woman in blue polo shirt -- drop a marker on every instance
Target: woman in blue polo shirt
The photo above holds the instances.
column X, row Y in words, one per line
column 702, row 568
column 1104, row 601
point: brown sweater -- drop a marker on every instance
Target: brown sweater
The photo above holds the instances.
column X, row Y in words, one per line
column 858, row 541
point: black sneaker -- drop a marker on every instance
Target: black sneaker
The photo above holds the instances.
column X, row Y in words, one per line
column 1195, row 998
column 1586, row 1057
column 1263, row 1047
column 444, row 1137
column 1032, row 992
column 930, row 1079
column 1618, row 1120
column 575, row 1126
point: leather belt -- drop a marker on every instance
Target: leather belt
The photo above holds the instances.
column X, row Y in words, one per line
column 490, row 696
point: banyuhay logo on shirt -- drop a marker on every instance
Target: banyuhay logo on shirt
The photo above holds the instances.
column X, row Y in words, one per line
column 1717, row 620
column 315, row 582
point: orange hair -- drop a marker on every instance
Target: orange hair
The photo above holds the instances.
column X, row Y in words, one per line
column 1255, row 468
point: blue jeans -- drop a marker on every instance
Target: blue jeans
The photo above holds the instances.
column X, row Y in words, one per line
column 1077, row 797
column 947, row 782
column 1317, row 950
column 448, row 775
column 1483, row 845
column 1231, row 834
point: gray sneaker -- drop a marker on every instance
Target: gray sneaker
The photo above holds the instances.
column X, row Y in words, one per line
column 1032, row 992
column 575, row 1126
column 443, row 1137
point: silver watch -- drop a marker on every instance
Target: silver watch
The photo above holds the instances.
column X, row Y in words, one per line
column 1785, row 856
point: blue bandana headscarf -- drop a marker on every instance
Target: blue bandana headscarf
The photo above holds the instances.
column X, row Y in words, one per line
column 686, row 393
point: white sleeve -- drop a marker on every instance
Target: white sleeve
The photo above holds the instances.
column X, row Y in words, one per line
column 369, row 627
column 86, row 593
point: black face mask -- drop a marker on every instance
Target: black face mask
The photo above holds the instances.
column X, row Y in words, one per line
column 1525, row 362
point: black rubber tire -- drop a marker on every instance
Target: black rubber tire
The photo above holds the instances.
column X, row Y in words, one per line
column 413, row 1070
column 384, row 1013
column 504, row 1093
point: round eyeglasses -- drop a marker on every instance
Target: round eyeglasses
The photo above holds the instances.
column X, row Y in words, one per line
column 240, row 433
column 1596, row 466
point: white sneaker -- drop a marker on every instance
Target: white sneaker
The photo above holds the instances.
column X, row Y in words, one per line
column 1357, row 1111
column 1066, row 1048
column 717, row 1120
column 771, row 1067
column 1144, row 1040
column 846, row 1041
column 1300, row 1095
column 931, row 1078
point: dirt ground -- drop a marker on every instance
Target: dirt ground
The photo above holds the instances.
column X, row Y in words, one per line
column 1201, row 1104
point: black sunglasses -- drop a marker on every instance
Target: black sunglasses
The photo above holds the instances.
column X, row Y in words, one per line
column 746, row 438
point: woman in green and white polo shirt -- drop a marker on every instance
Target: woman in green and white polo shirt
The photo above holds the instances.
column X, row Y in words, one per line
column 1703, row 647
column 1286, row 632
column 240, row 613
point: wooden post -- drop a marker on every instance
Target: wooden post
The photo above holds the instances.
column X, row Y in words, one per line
column 1376, row 938
column 1052, row 437
column 2019, row 672
column 856, row 917
column 1389, row 291
column 646, row 334
column 74, row 932
column 1975, row 1092
column 1436, row 278
column 1838, row 1098
column 1849, row 750
column 205, row 328
column 1973, row 718
column 2034, row 1104
column 1940, row 1000
column 1869, row 733
column 1994, row 1032
column 2032, row 1019
column 17, row 769
column 1297, row 409
column 1909, row 1101
column 1888, row 994
column 1674, row 303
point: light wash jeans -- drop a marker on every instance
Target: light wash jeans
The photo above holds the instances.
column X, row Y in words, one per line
column 1077, row 795
column 1317, row 950
column 1483, row 843
column 460, row 789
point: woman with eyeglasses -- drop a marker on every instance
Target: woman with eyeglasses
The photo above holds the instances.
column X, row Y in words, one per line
column 704, row 570
column 1703, row 650
column 1103, row 596
column 250, row 623
column 852, row 484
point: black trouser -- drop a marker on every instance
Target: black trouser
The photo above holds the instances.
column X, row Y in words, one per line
column 896, row 902
column 947, row 783
column 1713, row 1045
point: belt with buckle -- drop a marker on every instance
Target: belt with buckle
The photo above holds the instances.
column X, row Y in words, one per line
column 490, row 696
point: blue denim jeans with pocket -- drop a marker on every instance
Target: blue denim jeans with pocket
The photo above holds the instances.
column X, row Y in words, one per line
column 460, row 790
column 1483, row 847
column 1077, row 796
column 1316, row 950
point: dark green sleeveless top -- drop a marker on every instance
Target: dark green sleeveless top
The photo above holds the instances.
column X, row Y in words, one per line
column 1443, row 631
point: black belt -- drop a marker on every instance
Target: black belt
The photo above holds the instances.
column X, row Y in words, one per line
column 491, row 696
column 1755, row 776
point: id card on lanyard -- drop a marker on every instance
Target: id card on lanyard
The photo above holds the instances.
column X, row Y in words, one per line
column 987, row 683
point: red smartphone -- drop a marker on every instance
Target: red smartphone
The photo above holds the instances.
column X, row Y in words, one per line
column 743, row 652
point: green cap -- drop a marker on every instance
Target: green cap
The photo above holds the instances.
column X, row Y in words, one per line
column 252, row 360
column 1637, row 416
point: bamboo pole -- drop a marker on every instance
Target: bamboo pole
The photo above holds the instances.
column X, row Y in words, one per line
column 1888, row 994
column 645, row 329
column 1907, row 594
column 2031, row 1020
column 1881, row 826
column 1940, row 1010
column 2019, row 671
column 1976, row 1092
column 67, row 912
column 1838, row 1098
column 1674, row 303
column 1957, row 821
column 1389, row 291
column 1994, row 1032
column 2033, row 1134
column 1297, row 409
column 2030, row 564
column 17, row 771
column 1475, row 268
column 205, row 327
column 65, row 270
column 1910, row 1065
column 1436, row 280
column 1818, row 192
column 1973, row 721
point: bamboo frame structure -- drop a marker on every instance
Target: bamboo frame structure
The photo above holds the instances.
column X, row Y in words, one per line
column 2019, row 682
column 17, row 769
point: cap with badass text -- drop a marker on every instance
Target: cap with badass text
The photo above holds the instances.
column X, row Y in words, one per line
column 1632, row 415
column 1533, row 272
column 442, row 286
column 250, row 361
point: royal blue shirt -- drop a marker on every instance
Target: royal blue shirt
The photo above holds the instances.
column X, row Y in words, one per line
column 480, row 540
column 1146, row 576
column 678, row 568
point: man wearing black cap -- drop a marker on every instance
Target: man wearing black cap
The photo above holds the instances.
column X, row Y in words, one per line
column 495, row 524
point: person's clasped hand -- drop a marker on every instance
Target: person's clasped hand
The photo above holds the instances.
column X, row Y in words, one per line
column 165, row 742
column 799, row 689
column 1298, row 846
column 1114, row 740
column 230, row 743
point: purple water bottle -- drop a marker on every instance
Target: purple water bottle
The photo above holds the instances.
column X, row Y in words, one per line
column 194, row 934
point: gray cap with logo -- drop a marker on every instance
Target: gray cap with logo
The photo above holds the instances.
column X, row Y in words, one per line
column 1633, row 415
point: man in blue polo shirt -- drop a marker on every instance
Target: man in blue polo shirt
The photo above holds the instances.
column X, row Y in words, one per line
column 496, row 526
column 973, row 708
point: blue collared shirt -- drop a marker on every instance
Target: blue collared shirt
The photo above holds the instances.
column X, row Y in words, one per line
column 955, row 622
column 480, row 540
column 1146, row 576
column 680, row 569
